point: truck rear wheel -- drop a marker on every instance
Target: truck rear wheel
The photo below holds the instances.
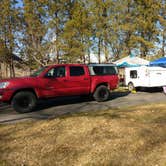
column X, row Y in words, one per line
column 24, row 102
column 101, row 93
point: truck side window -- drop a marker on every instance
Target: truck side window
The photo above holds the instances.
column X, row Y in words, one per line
column 133, row 74
column 76, row 71
column 57, row 72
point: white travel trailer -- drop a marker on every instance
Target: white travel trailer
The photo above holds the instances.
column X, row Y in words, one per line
column 145, row 76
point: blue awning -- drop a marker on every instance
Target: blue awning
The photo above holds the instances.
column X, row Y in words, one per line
column 159, row 62
column 125, row 64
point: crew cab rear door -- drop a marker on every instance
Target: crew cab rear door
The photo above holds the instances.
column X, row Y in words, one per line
column 78, row 80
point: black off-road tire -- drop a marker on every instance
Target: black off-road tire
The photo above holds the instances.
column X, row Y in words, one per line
column 131, row 86
column 24, row 102
column 101, row 93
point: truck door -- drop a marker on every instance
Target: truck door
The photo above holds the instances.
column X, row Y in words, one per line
column 78, row 80
column 55, row 82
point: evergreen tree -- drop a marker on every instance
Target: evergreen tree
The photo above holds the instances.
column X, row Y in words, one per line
column 146, row 21
column 99, row 10
column 56, row 24
column 71, row 29
column 35, row 32
column 121, row 28
column 77, row 31
column 8, row 29
column 162, row 21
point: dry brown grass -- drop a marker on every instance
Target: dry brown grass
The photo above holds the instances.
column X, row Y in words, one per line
column 135, row 136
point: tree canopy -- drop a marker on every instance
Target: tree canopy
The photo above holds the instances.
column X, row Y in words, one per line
column 48, row 31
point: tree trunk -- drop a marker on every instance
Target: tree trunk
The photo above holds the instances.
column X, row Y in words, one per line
column 12, row 69
column 57, row 56
column 89, row 61
column 6, row 70
column 57, row 39
column 163, row 44
column 99, row 50
column 0, row 70
column 84, row 59
column 106, row 53
column 11, row 66
column 143, row 54
column 143, row 50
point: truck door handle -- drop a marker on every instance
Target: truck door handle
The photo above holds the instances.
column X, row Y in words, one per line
column 85, row 78
column 65, row 80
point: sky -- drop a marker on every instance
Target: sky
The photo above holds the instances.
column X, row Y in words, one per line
column 20, row 3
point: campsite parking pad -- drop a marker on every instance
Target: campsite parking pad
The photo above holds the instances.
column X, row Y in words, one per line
column 59, row 107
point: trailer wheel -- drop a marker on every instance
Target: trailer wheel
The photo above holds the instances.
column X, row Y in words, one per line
column 101, row 93
column 131, row 86
column 24, row 102
column 164, row 90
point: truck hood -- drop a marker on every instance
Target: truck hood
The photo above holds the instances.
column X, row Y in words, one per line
column 21, row 82
column 18, row 79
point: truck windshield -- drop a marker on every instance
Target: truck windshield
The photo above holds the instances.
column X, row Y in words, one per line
column 38, row 72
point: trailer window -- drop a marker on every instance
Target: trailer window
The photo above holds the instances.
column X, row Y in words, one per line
column 133, row 74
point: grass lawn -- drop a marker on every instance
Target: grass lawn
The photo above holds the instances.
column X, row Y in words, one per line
column 133, row 136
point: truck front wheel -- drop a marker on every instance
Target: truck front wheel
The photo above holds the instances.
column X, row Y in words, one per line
column 101, row 93
column 24, row 102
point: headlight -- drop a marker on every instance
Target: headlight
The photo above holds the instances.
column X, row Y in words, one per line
column 3, row 85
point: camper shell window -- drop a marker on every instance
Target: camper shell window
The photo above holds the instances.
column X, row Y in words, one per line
column 103, row 70
column 133, row 74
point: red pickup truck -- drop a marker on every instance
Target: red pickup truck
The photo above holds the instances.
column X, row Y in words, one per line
column 59, row 80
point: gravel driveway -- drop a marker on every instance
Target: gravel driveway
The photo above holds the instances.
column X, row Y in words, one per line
column 54, row 108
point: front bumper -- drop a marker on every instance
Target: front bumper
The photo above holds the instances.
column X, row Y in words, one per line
column 5, row 95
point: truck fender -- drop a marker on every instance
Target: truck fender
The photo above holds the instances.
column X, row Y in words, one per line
column 34, row 91
column 95, row 87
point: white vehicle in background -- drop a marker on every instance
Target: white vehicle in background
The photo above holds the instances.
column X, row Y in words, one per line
column 145, row 76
